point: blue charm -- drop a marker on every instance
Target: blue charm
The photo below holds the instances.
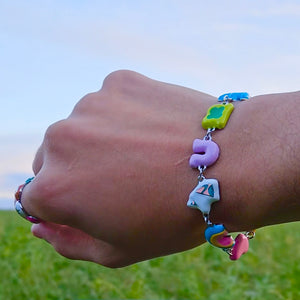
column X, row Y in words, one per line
column 234, row 97
column 204, row 194
column 218, row 236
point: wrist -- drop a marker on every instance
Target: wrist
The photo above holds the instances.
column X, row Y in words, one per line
column 258, row 166
column 207, row 191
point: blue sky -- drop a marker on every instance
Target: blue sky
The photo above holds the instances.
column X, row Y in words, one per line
column 54, row 52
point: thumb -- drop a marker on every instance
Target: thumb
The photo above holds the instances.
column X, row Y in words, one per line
column 68, row 242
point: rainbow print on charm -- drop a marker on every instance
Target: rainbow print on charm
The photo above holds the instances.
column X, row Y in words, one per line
column 218, row 236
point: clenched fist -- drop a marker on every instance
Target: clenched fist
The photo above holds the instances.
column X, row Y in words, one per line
column 112, row 180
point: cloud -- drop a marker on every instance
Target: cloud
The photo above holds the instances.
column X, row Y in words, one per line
column 114, row 35
column 202, row 44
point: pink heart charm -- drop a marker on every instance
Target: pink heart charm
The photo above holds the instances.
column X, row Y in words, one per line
column 240, row 247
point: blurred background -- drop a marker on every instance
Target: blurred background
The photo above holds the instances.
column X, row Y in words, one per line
column 54, row 52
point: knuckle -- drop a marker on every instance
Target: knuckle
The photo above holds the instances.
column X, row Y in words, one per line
column 54, row 131
column 38, row 161
column 59, row 135
column 86, row 104
column 119, row 82
column 121, row 79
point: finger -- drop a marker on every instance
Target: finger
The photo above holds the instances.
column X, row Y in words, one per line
column 36, row 166
column 38, row 160
column 41, row 198
column 76, row 244
column 69, row 242
column 30, row 198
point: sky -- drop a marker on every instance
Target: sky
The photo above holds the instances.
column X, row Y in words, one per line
column 52, row 53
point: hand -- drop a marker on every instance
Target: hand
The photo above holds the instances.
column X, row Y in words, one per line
column 115, row 173
column 112, row 180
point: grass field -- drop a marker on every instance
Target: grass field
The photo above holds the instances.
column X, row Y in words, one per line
column 30, row 269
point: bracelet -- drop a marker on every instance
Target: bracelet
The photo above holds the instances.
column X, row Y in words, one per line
column 206, row 153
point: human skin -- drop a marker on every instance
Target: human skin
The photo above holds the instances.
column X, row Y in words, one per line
column 112, row 179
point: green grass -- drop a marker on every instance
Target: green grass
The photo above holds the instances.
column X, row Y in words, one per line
column 30, row 269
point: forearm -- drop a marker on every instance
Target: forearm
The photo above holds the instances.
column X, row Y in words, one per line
column 258, row 168
column 281, row 155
